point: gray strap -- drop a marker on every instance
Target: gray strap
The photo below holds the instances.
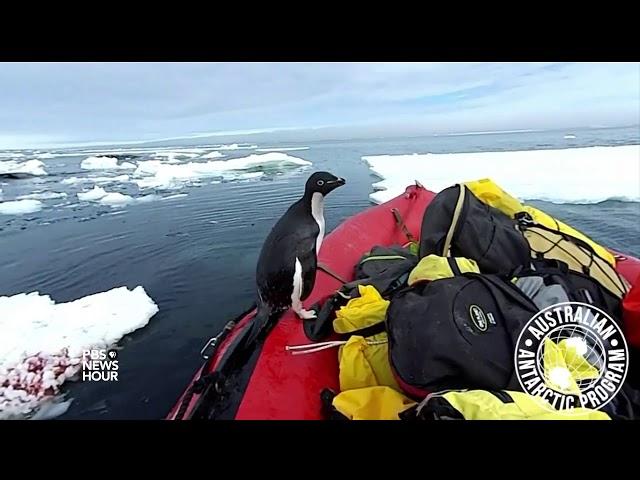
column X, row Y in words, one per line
column 327, row 270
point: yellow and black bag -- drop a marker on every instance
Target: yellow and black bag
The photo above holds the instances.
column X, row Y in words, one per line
column 434, row 267
column 493, row 405
column 456, row 223
column 480, row 221
column 553, row 243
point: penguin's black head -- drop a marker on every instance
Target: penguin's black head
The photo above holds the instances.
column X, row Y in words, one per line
column 323, row 182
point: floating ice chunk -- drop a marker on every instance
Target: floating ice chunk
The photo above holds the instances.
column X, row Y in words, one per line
column 43, row 196
column 104, row 163
column 173, row 155
column 215, row 154
column 237, row 146
column 157, row 174
column 177, row 195
column 117, row 178
column 115, row 199
column 51, row 408
column 180, row 152
column 148, row 198
column 572, row 175
column 20, row 207
column 282, row 149
column 74, row 180
column 249, row 175
column 30, row 167
column 96, row 193
column 42, row 342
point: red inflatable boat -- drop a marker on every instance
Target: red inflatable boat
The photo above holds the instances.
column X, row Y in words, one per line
column 281, row 386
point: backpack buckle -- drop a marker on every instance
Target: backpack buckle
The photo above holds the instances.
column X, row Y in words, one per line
column 524, row 218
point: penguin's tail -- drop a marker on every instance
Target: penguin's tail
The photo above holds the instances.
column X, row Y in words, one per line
column 260, row 325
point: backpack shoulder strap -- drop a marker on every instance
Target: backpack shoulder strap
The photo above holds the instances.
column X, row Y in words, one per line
column 454, row 220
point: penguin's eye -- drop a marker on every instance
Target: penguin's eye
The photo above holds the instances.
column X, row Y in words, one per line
column 320, row 182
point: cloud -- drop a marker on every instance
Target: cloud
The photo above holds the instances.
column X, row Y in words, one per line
column 93, row 102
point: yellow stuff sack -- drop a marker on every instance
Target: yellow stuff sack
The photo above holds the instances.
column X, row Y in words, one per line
column 368, row 390
column 433, row 267
column 363, row 361
column 364, row 311
column 371, row 403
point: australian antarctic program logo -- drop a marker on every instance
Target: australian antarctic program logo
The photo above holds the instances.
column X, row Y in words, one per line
column 99, row 365
column 572, row 355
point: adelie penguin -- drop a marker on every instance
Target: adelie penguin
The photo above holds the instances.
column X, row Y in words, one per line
column 286, row 269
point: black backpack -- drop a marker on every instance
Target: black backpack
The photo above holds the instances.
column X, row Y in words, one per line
column 456, row 333
column 460, row 332
column 456, row 223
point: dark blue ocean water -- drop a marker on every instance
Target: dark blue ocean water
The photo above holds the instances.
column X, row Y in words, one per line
column 195, row 255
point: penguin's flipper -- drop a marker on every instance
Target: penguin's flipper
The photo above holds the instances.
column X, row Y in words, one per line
column 303, row 281
column 309, row 263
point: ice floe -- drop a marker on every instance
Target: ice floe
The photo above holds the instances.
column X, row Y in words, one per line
column 157, row 174
column 42, row 341
column 281, row 149
column 20, row 207
column 215, row 154
column 237, row 146
column 104, row 163
column 42, row 196
column 29, row 167
column 572, row 175
column 96, row 193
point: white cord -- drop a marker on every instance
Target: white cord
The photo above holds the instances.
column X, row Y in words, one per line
column 317, row 347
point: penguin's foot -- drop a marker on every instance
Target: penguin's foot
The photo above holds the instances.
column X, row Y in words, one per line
column 306, row 314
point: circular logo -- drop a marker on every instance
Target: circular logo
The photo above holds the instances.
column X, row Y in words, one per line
column 112, row 354
column 478, row 318
column 572, row 355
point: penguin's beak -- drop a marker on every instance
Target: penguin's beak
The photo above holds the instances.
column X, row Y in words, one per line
column 339, row 181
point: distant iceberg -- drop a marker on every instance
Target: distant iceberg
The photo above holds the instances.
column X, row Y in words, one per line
column 237, row 146
column 281, row 149
column 104, row 163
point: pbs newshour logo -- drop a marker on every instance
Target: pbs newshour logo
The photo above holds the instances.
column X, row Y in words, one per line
column 573, row 355
column 100, row 365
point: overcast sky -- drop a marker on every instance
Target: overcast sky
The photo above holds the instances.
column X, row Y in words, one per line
column 73, row 103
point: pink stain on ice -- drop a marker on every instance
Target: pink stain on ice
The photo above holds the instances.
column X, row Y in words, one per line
column 37, row 377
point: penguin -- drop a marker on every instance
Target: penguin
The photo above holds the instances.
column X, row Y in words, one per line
column 286, row 269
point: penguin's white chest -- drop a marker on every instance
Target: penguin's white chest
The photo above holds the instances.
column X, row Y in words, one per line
column 317, row 210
